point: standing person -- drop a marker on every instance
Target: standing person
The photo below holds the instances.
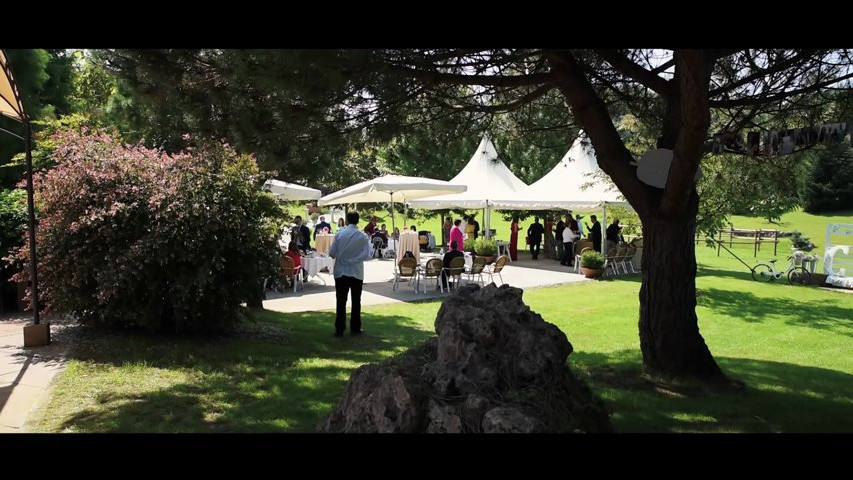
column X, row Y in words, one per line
column 558, row 237
column 578, row 219
column 320, row 226
column 303, row 235
column 568, row 258
column 463, row 227
column 445, row 232
column 513, row 239
column 341, row 223
column 550, row 249
column 534, row 233
column 595, row 233
column 456, row 235
column 370, row 227
column 614, row 234
column 350, row 248
column 476, row 227
column 470, row 231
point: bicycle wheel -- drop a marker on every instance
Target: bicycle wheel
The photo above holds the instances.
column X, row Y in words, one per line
column 762, row 272
column 799, row 276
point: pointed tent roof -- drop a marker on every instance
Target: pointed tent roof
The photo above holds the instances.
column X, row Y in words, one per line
column 487, row 178
column 10, row 104
column 575, row 182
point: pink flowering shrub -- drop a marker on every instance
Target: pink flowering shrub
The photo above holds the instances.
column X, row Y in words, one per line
column 130, row 236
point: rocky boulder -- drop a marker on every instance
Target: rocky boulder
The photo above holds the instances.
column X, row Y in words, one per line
column 496, row 366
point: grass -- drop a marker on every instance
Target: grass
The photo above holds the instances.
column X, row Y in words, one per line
column 790, row 345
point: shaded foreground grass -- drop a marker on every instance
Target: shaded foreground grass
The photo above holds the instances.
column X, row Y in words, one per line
column 790, row 345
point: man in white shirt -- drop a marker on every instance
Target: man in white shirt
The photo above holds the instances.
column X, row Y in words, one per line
column 578, row 218
column 568, row 247
column 350, row 249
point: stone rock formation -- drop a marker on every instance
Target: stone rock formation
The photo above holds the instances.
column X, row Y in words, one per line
column 496, row 366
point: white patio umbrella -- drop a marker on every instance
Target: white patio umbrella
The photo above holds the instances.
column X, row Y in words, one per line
column 291, row 191
column 393, row 188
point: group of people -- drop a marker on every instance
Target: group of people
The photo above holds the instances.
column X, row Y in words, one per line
column 560, row 243
column 301, row 234
column 468, row 227
column 352, row 246
column 381, row 232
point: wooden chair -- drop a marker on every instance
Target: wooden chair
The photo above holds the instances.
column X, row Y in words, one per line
column 477, row 266
column 406, row 268
column 495, row 268
column 291, row 272
column 457, row 267
column 432, row 269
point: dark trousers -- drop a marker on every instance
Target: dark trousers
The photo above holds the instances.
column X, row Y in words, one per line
column 342, row 286
column 534, row 249
column 568, row 254
column 596, row 244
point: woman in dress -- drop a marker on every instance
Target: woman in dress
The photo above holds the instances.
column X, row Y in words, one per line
column 513, row 240
column 550, row 242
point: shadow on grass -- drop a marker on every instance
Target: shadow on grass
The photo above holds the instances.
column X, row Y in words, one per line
column 778, row 397
column 746, row 306
column 231, row 384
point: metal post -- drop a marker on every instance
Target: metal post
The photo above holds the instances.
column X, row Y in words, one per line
column 34, row 292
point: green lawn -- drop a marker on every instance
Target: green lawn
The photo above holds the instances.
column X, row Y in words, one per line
column 790, row 345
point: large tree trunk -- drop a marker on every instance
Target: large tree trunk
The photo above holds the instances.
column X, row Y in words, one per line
column 669, row 330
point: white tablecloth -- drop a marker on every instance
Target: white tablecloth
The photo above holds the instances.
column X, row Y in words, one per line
column 313, row 265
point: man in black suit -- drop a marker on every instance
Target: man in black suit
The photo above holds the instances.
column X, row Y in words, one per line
column 304, row 237
column 535, row 233
column 595, row 233
column 450, row 255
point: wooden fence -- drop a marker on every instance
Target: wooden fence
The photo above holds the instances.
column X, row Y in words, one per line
column 742, row 236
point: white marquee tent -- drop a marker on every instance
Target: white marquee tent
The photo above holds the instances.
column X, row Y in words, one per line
column 487, row 178
column 574, row 183
column 291, row 191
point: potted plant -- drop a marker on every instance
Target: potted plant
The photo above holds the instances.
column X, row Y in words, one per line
column 486, row 248
column 468, row 245
column 799, row 242
column 592, row 264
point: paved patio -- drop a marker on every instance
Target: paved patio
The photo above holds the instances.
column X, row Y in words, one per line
column 379, row 284
column 26, row 374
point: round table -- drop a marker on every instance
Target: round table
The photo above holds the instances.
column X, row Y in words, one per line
column 409, row 242
column 313, row 265
column 323, row 242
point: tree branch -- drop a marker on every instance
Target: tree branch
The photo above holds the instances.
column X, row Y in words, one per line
column 641, row 75
column 759, row 99
column 802, row 56
column 475, row 79
column 591, row 112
